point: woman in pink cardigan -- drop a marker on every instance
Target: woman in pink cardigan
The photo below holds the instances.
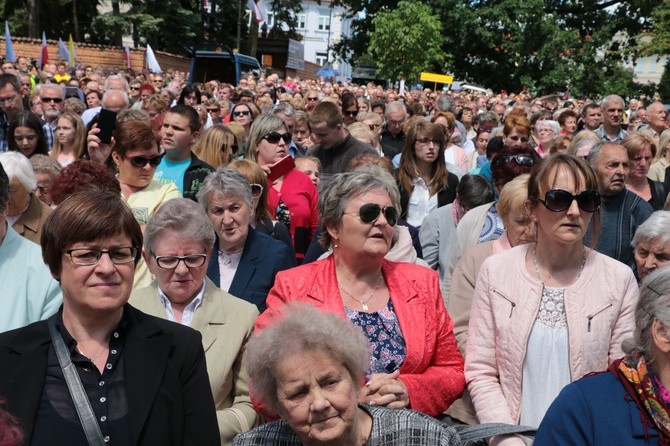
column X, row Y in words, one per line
column 415, row 361
column 548, row 313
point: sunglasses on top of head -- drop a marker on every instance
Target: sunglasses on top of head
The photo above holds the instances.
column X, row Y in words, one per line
column 520, row 159
column 559, row 200
column 274, row 137
column 141, row 161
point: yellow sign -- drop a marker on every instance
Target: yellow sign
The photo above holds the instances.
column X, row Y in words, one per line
column 441, row 78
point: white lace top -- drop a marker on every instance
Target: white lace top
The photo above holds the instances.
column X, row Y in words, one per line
column 546, row 368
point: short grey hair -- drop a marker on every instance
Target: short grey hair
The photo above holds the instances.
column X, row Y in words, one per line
column 395, row 106
column 555, row 126
column 116, row 77
column 46, row 164
column 18, row 167
column 284, row 108
column 655, row 228
column 446, row 103
column 109, row 93
column 56, row 87
column 303, row 328
column 183, row 216
column 225, row 181
column 597, row 149
column 653, row 303
column 262, row 125
column 610, row 99
column 344, row 187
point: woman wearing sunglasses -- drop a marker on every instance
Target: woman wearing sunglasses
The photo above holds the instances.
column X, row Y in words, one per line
column 547, row 313
column 244, row 113
column 136, row 154
column 292, row 197
column 425, row 183
column 414, row 358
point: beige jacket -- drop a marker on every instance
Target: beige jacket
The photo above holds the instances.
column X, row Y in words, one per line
column 599, row 308
column 225, row 323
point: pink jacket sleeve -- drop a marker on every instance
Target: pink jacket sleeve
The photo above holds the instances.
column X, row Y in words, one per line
column 481, row 367
column 625, row 323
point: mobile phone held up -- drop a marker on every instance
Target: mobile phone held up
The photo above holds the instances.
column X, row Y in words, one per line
column 106, row 123
column 281, row 168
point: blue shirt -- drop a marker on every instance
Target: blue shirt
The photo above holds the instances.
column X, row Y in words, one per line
column 172, row 172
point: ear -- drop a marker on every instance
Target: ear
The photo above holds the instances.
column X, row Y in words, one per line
column 660, row 334
column 195, row 136
column 116, row 158
column 334, row 233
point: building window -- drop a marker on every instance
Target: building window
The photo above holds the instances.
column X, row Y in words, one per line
column 321, row 58
column 324, row 22
column 301, row 19
column 270, row 19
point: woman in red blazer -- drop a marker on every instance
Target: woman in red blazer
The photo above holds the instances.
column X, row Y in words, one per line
column 415, row 361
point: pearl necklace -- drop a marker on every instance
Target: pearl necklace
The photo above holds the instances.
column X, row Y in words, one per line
column 538, row 270
column 364, row 303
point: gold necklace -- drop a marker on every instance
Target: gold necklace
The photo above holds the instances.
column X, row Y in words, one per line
column 92, row 358
column 372, row 294
column 538, row 270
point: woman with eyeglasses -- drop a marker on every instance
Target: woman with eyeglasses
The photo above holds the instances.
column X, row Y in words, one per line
column 178, row 244
column 414, row 359
column 244, row 113
column 292, row 197
column 547, row 313
column 424, row 181
column 245, row 261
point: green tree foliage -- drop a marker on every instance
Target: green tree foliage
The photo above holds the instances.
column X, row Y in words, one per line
column 544, row 45
column 406, row 41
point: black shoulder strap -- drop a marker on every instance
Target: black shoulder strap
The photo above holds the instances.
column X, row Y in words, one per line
column 81, row 402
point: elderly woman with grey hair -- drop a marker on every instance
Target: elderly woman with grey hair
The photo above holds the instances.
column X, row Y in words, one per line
column 292, row 197
column 178, row 242
column 308, row 367
column 244, row 261
column 628, row 404
column 414, row 358
column 25, row 211
column 651, row 243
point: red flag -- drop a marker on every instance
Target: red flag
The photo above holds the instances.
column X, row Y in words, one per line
column 126, row 56
column 44, row 53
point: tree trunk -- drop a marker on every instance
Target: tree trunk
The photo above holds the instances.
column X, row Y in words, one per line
column 75, row 21
column 34, row 19
column 117, row 36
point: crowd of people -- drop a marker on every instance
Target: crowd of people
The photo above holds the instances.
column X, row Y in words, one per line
column 291, row 261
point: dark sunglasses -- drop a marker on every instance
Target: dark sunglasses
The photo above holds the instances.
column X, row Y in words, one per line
column 520, row 159
column 274, row 137
column 559, row 200
column 241, row 113
column 135, row 88
column 369, row 213
column 352, row 114
column 312, row 99
column 212, row 110
column 141, row 161
column 54, row 100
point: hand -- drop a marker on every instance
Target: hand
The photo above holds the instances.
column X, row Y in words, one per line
column 97, row 150
column 266, row 169
column 307, row 143
column 385, row 389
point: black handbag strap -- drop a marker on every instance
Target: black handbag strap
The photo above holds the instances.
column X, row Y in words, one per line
column 81, row 402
